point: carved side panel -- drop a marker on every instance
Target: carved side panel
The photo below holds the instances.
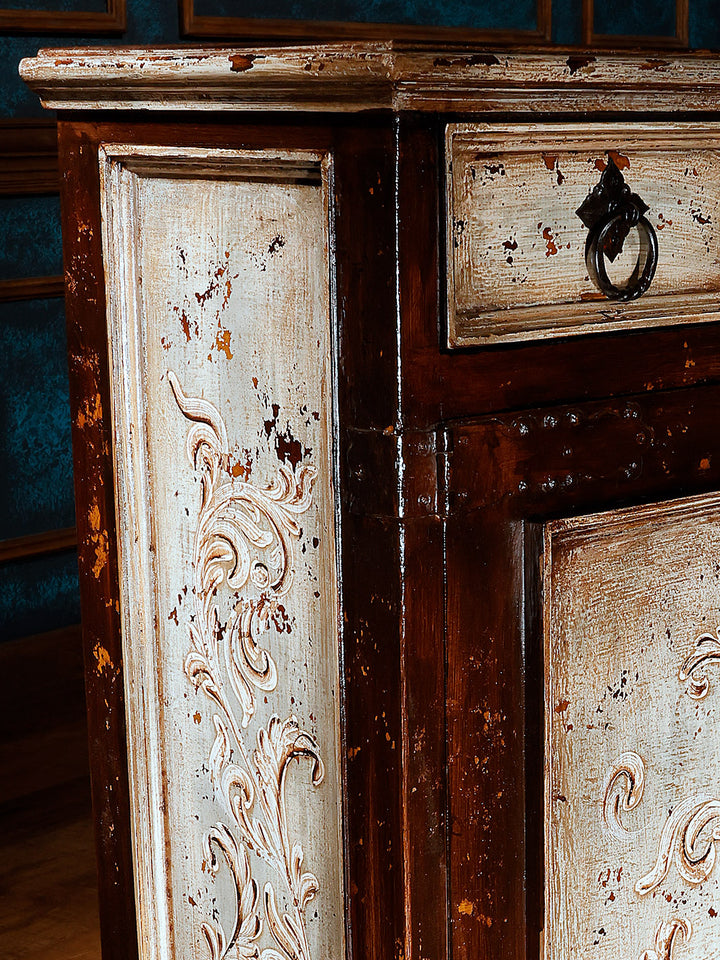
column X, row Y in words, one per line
column 217, row 266
column 632, row 701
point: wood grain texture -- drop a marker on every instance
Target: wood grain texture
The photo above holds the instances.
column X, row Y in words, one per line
column 99, row 590
column 48, row 875
column 355, row 77
column 515, row 245
column 372, row 553
column 505, row 477
column 631, row 785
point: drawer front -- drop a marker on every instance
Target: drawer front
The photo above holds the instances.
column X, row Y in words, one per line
column 516, row 245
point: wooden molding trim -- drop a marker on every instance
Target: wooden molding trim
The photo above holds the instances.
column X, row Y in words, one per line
column 31, row 288
column 38, row 544
column 354, row 77
column 195, row 26
column 28, row 157
column 112, row 21
column 680, row 41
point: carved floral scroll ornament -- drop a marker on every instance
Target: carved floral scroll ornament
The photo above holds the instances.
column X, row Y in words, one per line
column 624, row 790
column 692, row 671
column 668, row 933
column 688, row 838
column 244, row 541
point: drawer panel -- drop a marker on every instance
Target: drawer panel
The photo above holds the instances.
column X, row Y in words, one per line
column 516, row 246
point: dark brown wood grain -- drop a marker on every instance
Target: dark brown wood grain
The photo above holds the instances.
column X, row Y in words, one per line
column 371, row 553
column 38, row 544
column 97, row 546
column 31, row 288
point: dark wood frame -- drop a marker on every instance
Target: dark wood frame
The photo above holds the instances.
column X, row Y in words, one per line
column 680, row 40
column 193, row 25
column 109, row 23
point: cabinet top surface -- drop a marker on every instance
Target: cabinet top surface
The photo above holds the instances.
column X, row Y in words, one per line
column 355, row 77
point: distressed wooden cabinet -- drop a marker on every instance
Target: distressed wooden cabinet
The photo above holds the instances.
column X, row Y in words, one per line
column 400, row 541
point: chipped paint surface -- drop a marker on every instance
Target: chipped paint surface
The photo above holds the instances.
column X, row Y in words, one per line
column 516, row 247
column 228, row 580
column 632, row 790
column 351, row 76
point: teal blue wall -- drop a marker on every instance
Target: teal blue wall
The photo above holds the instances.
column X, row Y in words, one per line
column 40, row 593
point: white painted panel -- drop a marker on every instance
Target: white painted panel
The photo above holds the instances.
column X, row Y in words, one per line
column 217, row 267
column 632, row 703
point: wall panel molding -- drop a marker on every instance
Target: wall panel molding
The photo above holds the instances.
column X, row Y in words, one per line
column 193, row 25
column 680, row 40
column 38, row 544
column 31, row 288
column 28, row 157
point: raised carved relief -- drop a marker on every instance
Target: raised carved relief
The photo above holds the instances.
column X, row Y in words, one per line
column 244, row 543
column 667, row 935
column 624, row 790
column 692, row 671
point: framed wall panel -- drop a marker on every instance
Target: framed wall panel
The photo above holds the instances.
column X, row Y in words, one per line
column 676, row 37
column 112, row 20
column 351, row 25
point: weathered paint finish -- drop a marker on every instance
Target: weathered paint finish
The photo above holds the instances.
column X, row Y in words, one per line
column 217, row 268
column 632, row 789
column 352, row 77
column 516, row 248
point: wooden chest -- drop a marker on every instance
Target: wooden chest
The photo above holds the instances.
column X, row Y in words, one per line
column 396, row 387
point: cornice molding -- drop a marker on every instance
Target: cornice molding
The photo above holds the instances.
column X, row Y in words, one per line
column 356, row 77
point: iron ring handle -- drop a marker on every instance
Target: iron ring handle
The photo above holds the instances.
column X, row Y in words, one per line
column 641, row 277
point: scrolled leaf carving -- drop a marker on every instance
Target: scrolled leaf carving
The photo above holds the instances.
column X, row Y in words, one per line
column 624, row 790
column 667, row 935
column 692, row 670
column 244, row 545
column 688, row 838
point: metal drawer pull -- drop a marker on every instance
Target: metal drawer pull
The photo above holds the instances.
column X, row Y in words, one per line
column 610, row 211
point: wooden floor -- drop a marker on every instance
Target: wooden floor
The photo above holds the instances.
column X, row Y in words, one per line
column 48, row 885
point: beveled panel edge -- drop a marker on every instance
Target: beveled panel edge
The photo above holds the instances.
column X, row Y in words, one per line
column 548, row 321
column 354, row 77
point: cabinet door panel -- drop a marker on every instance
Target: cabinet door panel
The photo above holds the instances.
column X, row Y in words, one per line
column 217, row 274
column 582, row 656
column 632, row 786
